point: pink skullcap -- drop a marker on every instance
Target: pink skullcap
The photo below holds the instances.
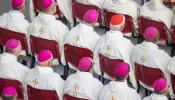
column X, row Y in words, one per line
column 12, row 44
column 16, row 3
column 44, row 55
column 122, row 69
column 91, row 16
column 160, row 85
column 46, row 3
column 85, row 63
column 9, row 91
column 150, row 32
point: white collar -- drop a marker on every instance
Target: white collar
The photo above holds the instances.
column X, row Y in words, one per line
column 7, row 58
column 117, row 86
column 15, row 15
column 149, row 45
column 113, row 35
column 43, row 70
column 120, row 1
column 46, row 17
column 158, row 97
column 83, row 75
column 84, row 27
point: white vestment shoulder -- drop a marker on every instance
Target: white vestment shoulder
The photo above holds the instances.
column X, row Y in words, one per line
column 83, row 85
column 11, row 69
column 114, row 46
column 98, row 3
column 164, row 14
column 47, row 27
column 44, row 78
column 154, row 96
column 118, row 91
column 15, row 21
column 149, row 55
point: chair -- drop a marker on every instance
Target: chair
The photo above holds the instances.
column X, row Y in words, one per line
column 1, row 44
column 108, row 65
column 129, row 25
column 79, row 10
column 173, row 82
column 16, row 84
column 173, row 40
column 37, row 6
column 169, row 3
column 38, row 94
column 147, row 75
column 68, row 97
column 37, row 44
column 144, row 23
column 74, row 54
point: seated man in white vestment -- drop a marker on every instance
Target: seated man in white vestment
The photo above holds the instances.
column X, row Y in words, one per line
column 148, row 54
column 119, row 89
column 9, row 67
column 114, row 46
column 43, row 77
column 83, row 35
column 9, row 93
column 64, row 6
column 46, row 26
column 156, row 10
column 127, row 7
column 82, row 84
column 160, row 90
column 15, row 20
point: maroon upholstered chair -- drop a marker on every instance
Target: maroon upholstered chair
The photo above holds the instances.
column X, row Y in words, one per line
column 144, row 23
column 129, row 25
column 173, row 82
column 68, row 97
column 38, row 94
column 74, row 54
column 16, row 84
column 79, row 10
column 147, row 75
column 173, row 40
column 37, row 44
column 107, row 65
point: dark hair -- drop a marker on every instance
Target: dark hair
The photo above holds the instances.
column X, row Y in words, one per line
column 8, row 51
column 4, row 97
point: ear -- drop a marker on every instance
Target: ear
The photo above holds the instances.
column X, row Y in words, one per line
column 50, row 63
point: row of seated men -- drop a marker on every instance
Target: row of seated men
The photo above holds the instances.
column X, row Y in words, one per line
column 82, row 84
column 112, row 44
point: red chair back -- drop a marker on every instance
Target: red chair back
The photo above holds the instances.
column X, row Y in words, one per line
column 7, row 34
column 37, row 6
column 147, row 75
column 37, row 44
column 74, row 54
column 129, row 26
column 108, row 65
column 168, row 3
column 1, row 36
column 38, row 94
column 16, row 84
column 173, row 81
column 173, row 33
column 145, row 23
column 68, row 97
column 80, row 9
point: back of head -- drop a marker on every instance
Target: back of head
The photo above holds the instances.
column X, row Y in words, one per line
column 90, row 17
column 45, row 58
column 160, row 86
column 121, row 71
column 85, row 64
column 151, row 34
column 117, row 22
column 18, row 5
column 9, row 93
column 48, row 6
column 13, row 46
